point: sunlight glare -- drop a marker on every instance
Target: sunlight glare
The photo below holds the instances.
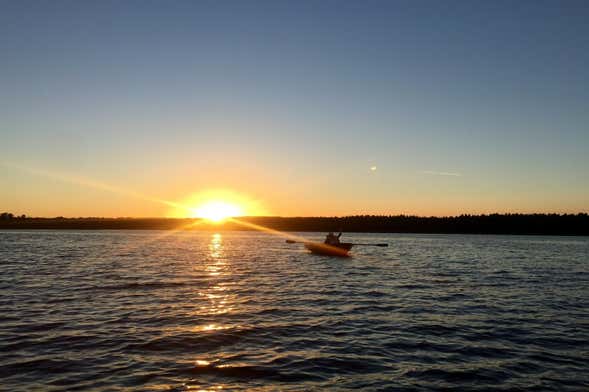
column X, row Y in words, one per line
column 217, row 205
column 217, row 211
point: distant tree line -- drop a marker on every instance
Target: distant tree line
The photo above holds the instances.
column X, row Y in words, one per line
column 547, row 224
column 8, row 216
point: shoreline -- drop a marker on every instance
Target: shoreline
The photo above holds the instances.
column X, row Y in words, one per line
column 514, row 224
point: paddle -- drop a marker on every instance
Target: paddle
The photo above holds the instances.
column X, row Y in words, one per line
column 383, row 245
column 301, row 242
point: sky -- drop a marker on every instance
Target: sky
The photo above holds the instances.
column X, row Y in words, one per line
column 294, row 108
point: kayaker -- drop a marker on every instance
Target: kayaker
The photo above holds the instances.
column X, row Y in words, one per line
column 332, row 239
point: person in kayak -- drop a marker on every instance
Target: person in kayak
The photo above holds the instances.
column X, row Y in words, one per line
column 332, row 239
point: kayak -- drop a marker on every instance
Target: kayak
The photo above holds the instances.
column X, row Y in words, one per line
column 341, row 249
column 320, row 248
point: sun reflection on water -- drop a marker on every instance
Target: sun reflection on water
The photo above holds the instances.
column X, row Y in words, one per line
column 215, row 268
column 198, row 388
column 216, row 301
column 216, row 246
column 213, row 327
column 219, row 300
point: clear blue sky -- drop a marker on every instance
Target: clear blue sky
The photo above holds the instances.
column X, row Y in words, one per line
column 462, row 106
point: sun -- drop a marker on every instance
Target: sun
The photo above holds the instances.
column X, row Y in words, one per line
column 217, row 205
column 217, row 211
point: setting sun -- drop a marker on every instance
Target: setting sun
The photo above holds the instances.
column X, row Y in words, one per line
column 216, row 205
column 217, row 211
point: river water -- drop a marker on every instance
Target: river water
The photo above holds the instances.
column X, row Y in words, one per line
column 155, row 310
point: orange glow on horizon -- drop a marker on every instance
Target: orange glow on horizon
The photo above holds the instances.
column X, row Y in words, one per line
column 217, row 206
column 217, row 211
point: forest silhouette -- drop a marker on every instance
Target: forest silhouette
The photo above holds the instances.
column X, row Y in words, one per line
column 533, row 224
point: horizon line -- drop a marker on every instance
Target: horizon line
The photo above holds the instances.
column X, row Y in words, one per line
column 20, row 216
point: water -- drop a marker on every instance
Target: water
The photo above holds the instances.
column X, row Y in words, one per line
column 149, row 310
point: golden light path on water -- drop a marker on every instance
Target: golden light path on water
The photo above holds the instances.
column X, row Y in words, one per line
column 220, row 300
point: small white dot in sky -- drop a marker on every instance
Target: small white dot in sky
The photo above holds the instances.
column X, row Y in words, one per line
column 372, row 168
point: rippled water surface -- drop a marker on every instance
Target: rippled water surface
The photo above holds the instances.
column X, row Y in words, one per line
column 150, row 310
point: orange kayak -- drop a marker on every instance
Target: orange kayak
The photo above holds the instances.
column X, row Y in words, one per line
column 320, row 248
